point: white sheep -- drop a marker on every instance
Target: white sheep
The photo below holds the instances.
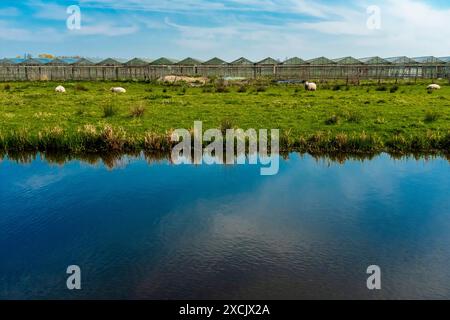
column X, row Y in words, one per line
column 434, row 87
column 118, row 90
column 310, row 86
column 60, row 89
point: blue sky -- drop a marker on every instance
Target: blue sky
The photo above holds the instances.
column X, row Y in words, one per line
column 225, row 28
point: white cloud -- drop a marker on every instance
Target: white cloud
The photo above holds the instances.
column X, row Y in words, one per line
column 106, row 29
column 11, row 12
column 409, row 27
column 257, row 28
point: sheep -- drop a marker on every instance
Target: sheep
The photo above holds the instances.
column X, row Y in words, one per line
column 434, row 87
column 118, row 90
column 60, row 89
column 310, row 86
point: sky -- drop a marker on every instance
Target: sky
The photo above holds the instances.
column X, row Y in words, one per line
column 228, row 29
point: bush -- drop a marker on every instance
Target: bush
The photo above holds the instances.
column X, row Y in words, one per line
column 381, row 88
column 183, row 91
column 225, row 124
column 138, row 111
column 221, row 88
column 242, row 89
column 80, row 87
column 334, row 119
column 380, row 120
column 431, row 116
column 109, row 110
column 261, row 89
column 80, row 111
column 337, row 87
column 207, row 89
column 7, row 87
column 354, row 117
column 394, row 89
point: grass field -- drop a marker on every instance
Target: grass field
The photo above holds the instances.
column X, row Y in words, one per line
column 401, row 118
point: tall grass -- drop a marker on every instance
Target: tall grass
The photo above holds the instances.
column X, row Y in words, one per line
column 431, row 116
column 109, row 110
column 138, row 111
column 93, row 139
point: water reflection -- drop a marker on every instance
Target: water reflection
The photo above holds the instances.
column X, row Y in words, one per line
column 224, row 232
column 120, row 160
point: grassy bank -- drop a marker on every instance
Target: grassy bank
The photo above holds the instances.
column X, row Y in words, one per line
column 396, row 118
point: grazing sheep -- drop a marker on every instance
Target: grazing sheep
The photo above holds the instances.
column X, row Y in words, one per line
column 310, row 86
column 434, row 87
column 118, row 90
column 60, row 89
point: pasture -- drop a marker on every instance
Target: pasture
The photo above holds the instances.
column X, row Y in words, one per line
column 370, row 117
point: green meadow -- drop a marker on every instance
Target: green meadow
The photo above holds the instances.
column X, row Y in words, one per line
column 371, row 117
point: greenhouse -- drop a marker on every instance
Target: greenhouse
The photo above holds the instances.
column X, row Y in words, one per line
column 162, row 62
column 428, row 60
column 82, row 62
column 213, row 67
column 374, row 60
column 31, row 62
column 6, row 62
column 56, row 62
column 214, row 62
column 322, row 68
column 348, row 61
column 242, row 61
column 136, row 62
column 109, row 63
column 321, row 61
column 268, row 61
column 189, row 62
column 294, row 61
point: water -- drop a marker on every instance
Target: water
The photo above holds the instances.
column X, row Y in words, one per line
column 157, row 231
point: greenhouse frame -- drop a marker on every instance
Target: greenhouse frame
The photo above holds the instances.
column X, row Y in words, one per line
column 322, row 68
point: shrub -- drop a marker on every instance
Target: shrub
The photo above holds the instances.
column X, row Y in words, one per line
column 431, row 116
column 394, row 89
column 225, row 124
column 381, row 88
column 334, row 119
column 337, row 87
column 80, row 111
column 80, row 87
column 109, row 110
column 242, row 89
column 261, row 89
column 138, row 111
column 380, row 120
column 354, row 117
column 207, row 89
column 220, row 86
column 7, row 87
column 183, row 91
